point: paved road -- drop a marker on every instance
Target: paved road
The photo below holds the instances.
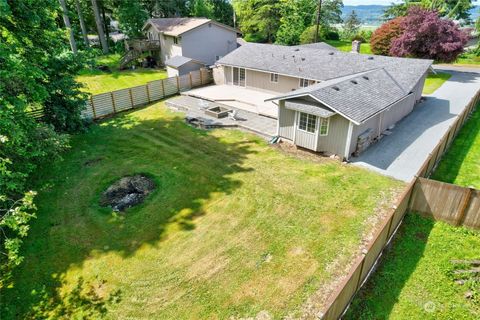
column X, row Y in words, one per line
column 401, row 154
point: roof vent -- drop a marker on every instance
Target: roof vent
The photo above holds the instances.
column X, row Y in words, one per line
column 370, row 58
column 336, row 88
column 296, row 49
column 331, row 53
column 354, row 82
column 365, row 77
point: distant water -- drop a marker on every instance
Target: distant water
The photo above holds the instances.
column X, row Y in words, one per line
column 371, row 15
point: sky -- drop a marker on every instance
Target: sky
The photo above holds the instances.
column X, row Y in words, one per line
column 384, row 2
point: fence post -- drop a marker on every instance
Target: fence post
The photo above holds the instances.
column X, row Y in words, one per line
column 148, row 93
column 464, row 207
column 359, row 282
column 113, row 102
column 191, row 83
column 178, row 84
column 93, row 108
column 131, row 97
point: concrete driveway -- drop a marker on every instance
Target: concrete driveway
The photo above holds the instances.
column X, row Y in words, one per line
column 401, row 154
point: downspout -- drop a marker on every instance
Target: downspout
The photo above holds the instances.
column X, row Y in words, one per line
column 349, row 141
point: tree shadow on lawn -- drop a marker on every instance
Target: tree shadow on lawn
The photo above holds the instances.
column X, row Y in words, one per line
column 189, row 167
column 382, row 290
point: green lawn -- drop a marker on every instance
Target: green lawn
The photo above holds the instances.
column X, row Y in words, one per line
column 235, row 227
column 468, row 59
column 435, row 81
column 461, row 164
column 347, row 46
column 97, row 81
column 415, row 280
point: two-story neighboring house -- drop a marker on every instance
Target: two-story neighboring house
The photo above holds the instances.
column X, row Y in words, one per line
column 187, row 44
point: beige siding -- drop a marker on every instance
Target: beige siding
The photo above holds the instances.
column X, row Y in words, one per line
column 417, row 90
column 170, row 49
column 305, row 139
column 219, row 75
column 336, row 139
column 286, row 122
column 396, row 112
column 373, row 124
column 228, row 74
column 261, row 80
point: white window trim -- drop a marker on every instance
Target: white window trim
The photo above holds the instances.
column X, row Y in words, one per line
column 320, row 126
column 273, row 74
column 238, row 85
column 308, row 115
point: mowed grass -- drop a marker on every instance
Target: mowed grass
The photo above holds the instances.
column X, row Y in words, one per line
column 416, row 281
column 346, row 46
column 461, row 164
column 235, row 227
column 97, row 81
column 435, row 81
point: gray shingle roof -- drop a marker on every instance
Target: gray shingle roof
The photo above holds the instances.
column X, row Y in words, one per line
column 356, row 97
column 322, row 64
column 318, row 45
column 178, row 61
column 308, row 107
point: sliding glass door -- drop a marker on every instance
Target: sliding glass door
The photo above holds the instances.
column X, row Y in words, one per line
column 238, row 76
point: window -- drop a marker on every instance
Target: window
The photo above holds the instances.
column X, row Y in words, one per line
column 324, row 122
column 238, row 76
column 304, row 83
column 175, row 40
column 274, row 77
column 307, row 122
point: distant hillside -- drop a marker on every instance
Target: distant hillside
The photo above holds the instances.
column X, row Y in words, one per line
column 372, row 14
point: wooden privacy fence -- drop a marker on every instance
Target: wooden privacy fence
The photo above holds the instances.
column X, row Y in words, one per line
column 105, row 104
column 440, row 200
column 447, row 202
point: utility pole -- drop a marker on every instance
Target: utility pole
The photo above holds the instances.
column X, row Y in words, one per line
column 66, row 20
column 318, row 20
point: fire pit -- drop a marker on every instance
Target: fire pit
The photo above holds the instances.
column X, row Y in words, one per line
column 218, row 112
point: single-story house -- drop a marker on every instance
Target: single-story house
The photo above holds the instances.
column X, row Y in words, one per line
column 328, row 101
column 198, row 39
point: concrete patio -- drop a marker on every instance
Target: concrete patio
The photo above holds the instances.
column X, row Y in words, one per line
column 195, row 108
column 238, row 97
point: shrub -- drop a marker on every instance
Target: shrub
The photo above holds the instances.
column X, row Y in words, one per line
column 428, row 36
column 358, row 37
column 324, row 33
column 381, row 39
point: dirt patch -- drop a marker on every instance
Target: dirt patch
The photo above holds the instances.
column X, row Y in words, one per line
column 127, row 192
column 92, row 162
column 291, row 149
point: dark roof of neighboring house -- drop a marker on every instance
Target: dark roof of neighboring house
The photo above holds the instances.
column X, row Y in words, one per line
column 323, row 64
column 178, row 61
column 357, row 97
column 177, row 26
